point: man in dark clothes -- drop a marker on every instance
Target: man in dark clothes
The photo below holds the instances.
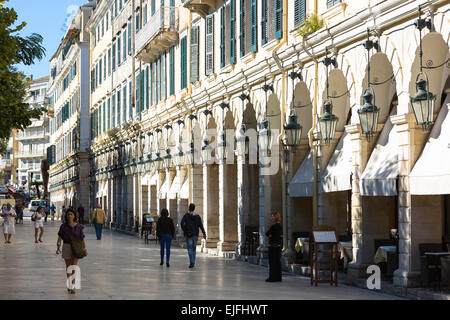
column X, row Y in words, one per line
column 81, row 214
column 190, row 224
column 275, row 235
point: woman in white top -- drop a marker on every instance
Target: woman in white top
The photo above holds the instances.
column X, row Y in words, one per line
column 8, row 215
column 38, row 223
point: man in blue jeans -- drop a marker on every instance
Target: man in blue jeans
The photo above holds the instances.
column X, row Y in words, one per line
column 190, row 224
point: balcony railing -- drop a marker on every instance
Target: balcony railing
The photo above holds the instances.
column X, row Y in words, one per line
column 5, row 162
column 203, row 7
column 30, row 154
column 34, row 136
column 158, row 34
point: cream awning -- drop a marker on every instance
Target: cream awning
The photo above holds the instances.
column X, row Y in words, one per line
column 164, row 188
column 431, row 173
column 174, row 188
column 184, row 192
column 302, row 185
column 337, row 174
column 380, row 176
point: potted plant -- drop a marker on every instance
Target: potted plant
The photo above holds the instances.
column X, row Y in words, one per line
column 312, row 23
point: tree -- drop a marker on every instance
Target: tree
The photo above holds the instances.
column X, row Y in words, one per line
column 15, row 49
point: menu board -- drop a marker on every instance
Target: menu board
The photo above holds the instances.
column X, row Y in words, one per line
column 324, row 236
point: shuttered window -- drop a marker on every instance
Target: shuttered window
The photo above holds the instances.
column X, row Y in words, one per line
column 222, row 37
column 109, row 61
column 130, row 100
column 172, row 70
column 209, row 46
column 299, row 12
column 331, row 3
column 124, row 40
column 278, row 19
column 104, row 67
column 158, row 80
column 153, row 7
column 154, row 83
column 124, row 103
column 183, row 63
column 146, row 86
column 129, row 38
column 138, row 94
column 108, row 126
column 246, row 35
column 113, row 110
column 264, row 22
column 118, row 50
column 100, row 72
column 163, row 77
column 271, row 20
column 232, row 31
column 114, row 56
column 118, row 107
column 194, row 70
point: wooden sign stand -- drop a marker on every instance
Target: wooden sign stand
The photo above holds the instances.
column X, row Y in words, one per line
column 321, row 236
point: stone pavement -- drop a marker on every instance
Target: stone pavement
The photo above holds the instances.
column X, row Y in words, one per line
column 122, row 267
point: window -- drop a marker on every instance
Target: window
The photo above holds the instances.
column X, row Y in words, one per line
column 109, row 114
column 130, row 101
column 183, row 63
column 113, row 110
column 138, row 93
column 194, row 70
column 153, row 83
column 124, row 105
column 129, row 38
column 104, row 67
column 146, row 87
column 163, row 77
column 118, row 50
column 271, row 20
column 144, row 13
column 114, row 56
column 104, row 117
column 172, row 70
column 232, row 31
column 115, row 8
column 124, row 40
column 138, row 21
column 120, row 5
column 299, row 12
column 332, row 3
column 109, row 61
column 209, row 46
column 248, row 31
column 153, row 7
column 100, row 72
column 118, row 107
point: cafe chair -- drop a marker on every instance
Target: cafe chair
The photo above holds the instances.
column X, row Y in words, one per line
column 428, row 269
column 445, row 273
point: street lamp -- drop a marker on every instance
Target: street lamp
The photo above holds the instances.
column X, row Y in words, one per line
column 190, row 154
column 178, row 158
column 242, row 140
column 206, row 149
column 222, row 141
column 328, row 121
column 265, row 135
column 368, row 113
column 168, row 157
column 423, row 100
column 292, row 129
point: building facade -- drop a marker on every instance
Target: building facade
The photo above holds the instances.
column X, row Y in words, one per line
column 68, row 94
column 167, row 111
column 33, row 141
column 8, row 163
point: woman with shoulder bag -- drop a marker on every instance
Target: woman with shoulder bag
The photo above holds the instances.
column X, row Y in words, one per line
column 38, row 224
column 74, row 246
column 165, row 231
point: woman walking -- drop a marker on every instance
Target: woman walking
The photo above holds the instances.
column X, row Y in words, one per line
column 165, row 231
column 70, row 232
column 38, row 223
column 8, row 214
column 275, row 234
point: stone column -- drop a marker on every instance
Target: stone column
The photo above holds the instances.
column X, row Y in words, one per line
column 411, row 140
column 362, row 149
column 228, row 212
column 264, row 217
column 210, row 205
column 242, row 202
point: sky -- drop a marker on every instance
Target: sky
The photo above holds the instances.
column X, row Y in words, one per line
column 49, row 18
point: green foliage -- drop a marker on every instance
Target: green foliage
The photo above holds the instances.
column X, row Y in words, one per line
column 14, row 49
column 312, row 23
column 3, row 146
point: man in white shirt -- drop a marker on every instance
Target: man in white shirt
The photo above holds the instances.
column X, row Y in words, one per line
column 8, row 215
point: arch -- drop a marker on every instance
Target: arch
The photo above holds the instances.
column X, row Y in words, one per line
column 249, row 117
column 382, row 81
column 341, row 101
column 303, row 107
column 435, row 53
column 229, row 120
column 274, row 111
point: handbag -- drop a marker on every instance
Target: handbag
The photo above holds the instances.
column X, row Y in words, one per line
column 33, row 218
column 77, row 247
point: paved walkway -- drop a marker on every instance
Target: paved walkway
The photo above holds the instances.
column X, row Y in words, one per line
column 123, row 267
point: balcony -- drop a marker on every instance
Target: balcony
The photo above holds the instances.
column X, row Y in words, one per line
column 5, row 163
column 203, row 7
column 28, row 155
column 158, row 35
column 32, row 136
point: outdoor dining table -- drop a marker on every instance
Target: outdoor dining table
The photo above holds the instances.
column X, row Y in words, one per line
column 381, row 254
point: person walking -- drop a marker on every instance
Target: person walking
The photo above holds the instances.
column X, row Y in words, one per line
column 81, row 214
column 190, row 224
column 46, row 211
column 36, row 217
column 19, row 211
column 53, row 211
column 8, row 214
column 63, row 210
column 165, row 231
column 69, row 232
column 98, row 218
column 275, row 234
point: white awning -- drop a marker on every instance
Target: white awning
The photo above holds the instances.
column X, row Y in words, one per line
column 153, row 181
column 164, row 188
column 431, row 173
column 303, row 182
column 145, row 179
column 336, row 176
column 176, row 184
column 380, row 176
column 184, row 192
column 100, row 190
